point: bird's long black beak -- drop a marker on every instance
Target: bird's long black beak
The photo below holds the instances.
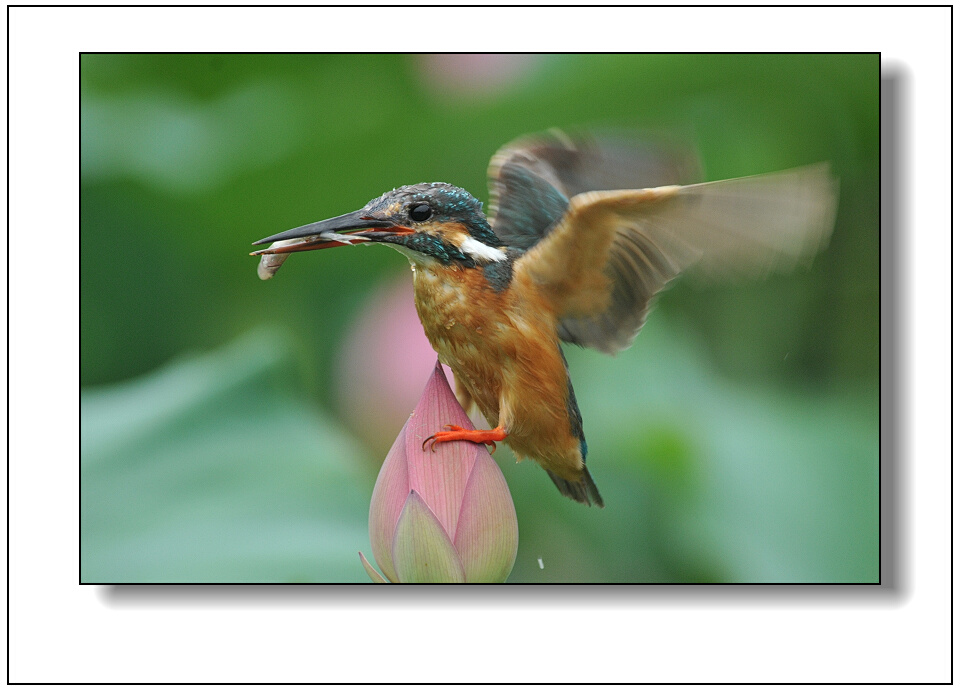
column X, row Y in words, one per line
column 349, row 228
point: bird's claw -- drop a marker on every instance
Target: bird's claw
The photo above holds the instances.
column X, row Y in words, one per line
column 432, row 438
column 452, row 435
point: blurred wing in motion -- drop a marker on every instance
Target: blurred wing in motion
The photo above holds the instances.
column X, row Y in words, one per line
column 533, row 178
column 604, row 259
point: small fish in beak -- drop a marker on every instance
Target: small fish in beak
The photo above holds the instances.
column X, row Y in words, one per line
column 319, row 235
column 273, row 256
column 270, row 263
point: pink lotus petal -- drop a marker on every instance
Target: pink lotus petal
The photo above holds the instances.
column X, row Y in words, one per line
column 389, row 494
column 487, row 532
column 422, row 551
column 371, row 571
column 439, row 473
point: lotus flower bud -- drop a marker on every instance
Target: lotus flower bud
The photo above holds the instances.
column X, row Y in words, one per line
column 444, row 513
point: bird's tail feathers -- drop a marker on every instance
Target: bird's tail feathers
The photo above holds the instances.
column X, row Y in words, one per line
column 583, row 491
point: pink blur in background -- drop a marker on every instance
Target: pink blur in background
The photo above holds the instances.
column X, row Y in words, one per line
column 474, row 74
column 384, row 363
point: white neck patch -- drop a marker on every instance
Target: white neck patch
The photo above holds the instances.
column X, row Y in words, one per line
column 480, row 251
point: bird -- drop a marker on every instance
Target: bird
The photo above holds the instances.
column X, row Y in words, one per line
column 582, row 232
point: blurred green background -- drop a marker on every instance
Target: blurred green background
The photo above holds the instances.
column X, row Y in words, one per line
column 224, row 437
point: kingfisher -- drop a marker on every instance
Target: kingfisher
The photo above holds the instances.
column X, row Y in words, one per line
column 580, row 235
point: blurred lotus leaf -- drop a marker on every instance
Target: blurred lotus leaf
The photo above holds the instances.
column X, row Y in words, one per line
column 214, row 469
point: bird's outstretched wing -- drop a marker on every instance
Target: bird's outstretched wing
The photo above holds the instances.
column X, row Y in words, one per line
column 533, row 178
column 602, row 261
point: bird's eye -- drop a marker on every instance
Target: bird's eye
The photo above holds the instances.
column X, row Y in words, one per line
column 420, row 212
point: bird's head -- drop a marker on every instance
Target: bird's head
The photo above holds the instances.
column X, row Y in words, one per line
column 428, row 222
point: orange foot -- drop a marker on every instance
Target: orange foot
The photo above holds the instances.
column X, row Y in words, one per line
column 458, row 433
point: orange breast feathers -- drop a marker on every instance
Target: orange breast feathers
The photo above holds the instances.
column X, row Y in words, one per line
column 504, row 353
